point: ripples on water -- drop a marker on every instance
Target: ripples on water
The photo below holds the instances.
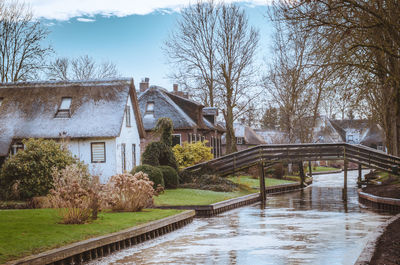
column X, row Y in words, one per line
column 313, row 226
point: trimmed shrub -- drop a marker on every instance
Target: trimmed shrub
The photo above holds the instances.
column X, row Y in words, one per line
column 192, row 154
column 75, row 194
column 153, row 173
column 211, row 182
column 171, row 178
column 164, row 128
column 127, row 192
column 159, row 154
column 29, row 172
column 278, row 171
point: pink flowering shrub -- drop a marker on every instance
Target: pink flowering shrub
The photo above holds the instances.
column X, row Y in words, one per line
column 127, row 192
column 75, row 194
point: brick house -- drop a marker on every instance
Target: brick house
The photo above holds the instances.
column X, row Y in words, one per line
column 192, row 121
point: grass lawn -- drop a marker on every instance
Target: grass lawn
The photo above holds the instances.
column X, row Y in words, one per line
column 247, row 185
column 195, row 197
column 255, row 183
column 26, row 232
column 322, row 169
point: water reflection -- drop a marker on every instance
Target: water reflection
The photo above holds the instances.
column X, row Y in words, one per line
column 314, row 226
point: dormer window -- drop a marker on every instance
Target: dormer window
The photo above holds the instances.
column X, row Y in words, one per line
column 64, row 111
column 150, row 107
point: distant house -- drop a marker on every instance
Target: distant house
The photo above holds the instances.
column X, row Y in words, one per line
column 350, row 131
column 272, row 136
column 245, row 137
column 100, row 120
column 192, row 121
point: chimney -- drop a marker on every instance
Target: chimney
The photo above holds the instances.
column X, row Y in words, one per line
column 175, row 88
column 144, row 85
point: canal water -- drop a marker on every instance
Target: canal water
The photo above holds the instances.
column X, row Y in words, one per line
column 314, row 226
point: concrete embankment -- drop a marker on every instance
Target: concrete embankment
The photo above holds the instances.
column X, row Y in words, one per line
column 84, row 251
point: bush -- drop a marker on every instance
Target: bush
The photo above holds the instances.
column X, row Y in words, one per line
column 29, row 172
column 127, row 192
column 171, row 178
column 211, row 182
column 159, row 154
column 153, row 173
column 191, row 154
column 278, row 171
column 75, row 194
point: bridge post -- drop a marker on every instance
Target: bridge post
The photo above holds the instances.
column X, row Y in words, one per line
column 310, row 168
column 359, row 176
column 262, row 182
column 302, row 175
column 345, row 180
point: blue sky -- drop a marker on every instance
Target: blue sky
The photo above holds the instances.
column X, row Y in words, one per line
column 129, row 35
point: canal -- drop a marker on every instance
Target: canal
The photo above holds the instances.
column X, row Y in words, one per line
column 314, row 226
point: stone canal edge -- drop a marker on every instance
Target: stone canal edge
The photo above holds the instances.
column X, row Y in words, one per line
column 93, row 248
column 382, row 203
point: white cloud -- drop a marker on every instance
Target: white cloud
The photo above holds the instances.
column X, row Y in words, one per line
column 65, row 10
column 82, row 19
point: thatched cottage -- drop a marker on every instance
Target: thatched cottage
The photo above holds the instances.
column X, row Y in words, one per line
column 192, row 121
column 100, row 120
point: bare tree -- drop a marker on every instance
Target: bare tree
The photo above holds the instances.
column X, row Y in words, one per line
column 80, row 68
column 360, row 40
column 213, row 50
column 191, row 49
column 22, row 53
column 294, row 83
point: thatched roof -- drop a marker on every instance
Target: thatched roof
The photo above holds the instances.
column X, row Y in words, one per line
column 249, row 135
column 184, row 113
column 97, row 109
column 373, row 136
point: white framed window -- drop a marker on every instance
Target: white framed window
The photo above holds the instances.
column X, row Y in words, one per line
column 123, row 157
column 176, row 139
column 350, row 138
column 133, row 155
column 239, row 140
column 98, row 152
column 16, row 147
column 1, row 101
column 150, row 107
column 128, row 116
column 64, row 111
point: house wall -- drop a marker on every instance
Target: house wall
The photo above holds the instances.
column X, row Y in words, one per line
column 128, row 136
column 81, row 148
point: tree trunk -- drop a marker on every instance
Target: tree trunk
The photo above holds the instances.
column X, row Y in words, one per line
column 230, row 131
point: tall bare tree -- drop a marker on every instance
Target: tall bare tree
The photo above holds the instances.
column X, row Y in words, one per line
column 22, row 53
column 80, row 68
column 213, row 49
column 192, row 49
column 294, row 83
column 360, row 40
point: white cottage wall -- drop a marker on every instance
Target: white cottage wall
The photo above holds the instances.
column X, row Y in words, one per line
column 128, row 136
column 81, row 148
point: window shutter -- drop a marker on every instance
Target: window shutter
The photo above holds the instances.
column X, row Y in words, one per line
column 98, row 152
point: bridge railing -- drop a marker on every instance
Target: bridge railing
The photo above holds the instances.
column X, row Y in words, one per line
column 270, row 154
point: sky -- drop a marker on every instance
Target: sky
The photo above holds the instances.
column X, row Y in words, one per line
column 128, row 33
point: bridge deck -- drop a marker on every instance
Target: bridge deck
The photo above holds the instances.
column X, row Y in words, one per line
column 291, row 153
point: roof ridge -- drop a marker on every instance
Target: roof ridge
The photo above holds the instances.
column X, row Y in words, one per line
column 87, row 82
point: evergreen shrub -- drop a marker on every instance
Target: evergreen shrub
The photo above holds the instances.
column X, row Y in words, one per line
column 28, row 173
column 171, row 178
column 153, row 173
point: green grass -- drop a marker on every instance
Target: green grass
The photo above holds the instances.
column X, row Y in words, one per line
column 255, row 183
column 26, row 232
column 195, row 197
column 322, row 169
column 247, row 185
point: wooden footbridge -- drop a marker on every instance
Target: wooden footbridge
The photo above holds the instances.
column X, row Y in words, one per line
column 267, row 155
